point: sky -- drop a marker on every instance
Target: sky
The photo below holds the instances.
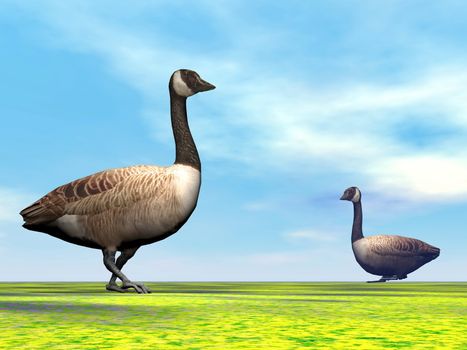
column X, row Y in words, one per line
column 312, row 97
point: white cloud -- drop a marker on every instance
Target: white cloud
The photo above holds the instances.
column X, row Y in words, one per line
column 423, row 177
column 259, row 205
column 279, row 265
column 311, row 235
column 278, row 258
column 11, row 203
column 286, row 122
column 354, row 129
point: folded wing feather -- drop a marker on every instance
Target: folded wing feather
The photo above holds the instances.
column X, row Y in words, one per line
column 400, row 246
column 94, row 194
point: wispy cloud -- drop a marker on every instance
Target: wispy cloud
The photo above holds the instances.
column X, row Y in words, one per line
column 289, row 123
column 278, row 258
column 259, row 205
column 310, row 235
column 11, row 202
column 355, row 129
column 162, row 264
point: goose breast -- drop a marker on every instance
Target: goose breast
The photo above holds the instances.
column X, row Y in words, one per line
column 172, row 197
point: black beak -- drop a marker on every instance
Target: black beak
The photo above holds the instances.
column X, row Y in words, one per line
column 204, row 86
column 343, row 198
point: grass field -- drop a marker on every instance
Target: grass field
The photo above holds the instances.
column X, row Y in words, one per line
column 235, row 316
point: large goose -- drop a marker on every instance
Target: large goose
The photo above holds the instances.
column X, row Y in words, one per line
column 392, row 257
column 125, row 208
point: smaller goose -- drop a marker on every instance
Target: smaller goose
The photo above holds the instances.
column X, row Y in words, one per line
column 392, row 257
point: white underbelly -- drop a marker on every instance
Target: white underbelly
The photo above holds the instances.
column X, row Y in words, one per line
column 72, row 225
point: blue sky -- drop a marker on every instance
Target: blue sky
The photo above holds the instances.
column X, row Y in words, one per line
column 311, row 98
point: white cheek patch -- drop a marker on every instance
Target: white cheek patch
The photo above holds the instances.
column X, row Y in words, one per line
column 180, row 86
column 356, row 196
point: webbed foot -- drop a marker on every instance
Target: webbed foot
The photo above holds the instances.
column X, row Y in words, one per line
column 138, row 287
column 115, row 288
column 377, row 281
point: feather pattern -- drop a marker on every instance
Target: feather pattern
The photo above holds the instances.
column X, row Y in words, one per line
column 400, row 246
column 122, row 205
column 388, row 255
column 60, row 201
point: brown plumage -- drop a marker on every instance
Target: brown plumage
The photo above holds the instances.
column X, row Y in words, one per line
column 392, row 257
column 60, row 201
column 123, row 209
column 400, row 246
column 104, row 203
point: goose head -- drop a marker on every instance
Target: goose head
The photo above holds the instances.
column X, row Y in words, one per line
column 352, row 194
column 186, row 83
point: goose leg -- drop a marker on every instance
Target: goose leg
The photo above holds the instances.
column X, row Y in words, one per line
column 390, row 278
column 126, row 255
column 109, row 262
column 384, row 279
column 377, row 281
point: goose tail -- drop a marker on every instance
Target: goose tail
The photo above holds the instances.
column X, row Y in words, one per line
column 432, row 252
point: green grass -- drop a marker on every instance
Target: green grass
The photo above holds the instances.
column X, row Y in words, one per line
column 235, row 316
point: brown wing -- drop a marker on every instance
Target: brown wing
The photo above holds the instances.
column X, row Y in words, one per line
column 401, row 246
column 54, row 204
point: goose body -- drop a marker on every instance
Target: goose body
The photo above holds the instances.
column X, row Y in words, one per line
column 134, row 206
column 389, row 256
column 125, row 208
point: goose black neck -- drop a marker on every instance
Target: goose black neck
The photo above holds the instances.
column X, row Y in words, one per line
column 185, row 148
column 357, row 232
